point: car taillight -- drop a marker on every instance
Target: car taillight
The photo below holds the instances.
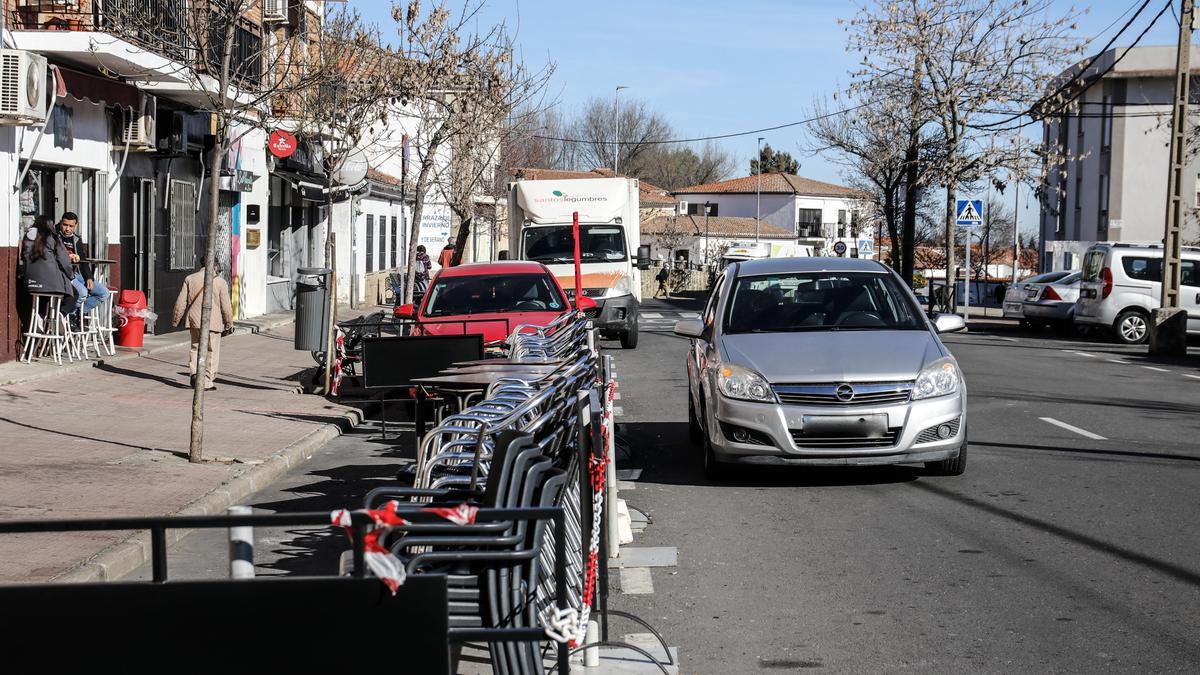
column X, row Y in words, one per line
column 1106, row 275
column 1050, row 294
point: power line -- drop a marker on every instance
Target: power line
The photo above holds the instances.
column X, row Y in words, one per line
column 1058, row 108
column 707, row 138
column 1077, row 78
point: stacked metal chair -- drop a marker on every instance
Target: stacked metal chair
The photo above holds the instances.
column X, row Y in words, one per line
column 524, row 445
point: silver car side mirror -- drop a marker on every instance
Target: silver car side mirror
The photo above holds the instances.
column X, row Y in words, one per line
column 691, row 328
column 948, row 323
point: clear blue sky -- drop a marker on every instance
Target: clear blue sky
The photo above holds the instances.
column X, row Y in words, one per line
column 719, row 67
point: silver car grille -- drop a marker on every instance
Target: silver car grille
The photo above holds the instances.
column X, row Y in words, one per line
column 837, row 394
column 885, row 441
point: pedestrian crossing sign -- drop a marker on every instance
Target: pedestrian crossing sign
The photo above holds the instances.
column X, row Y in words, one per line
column 969, row 211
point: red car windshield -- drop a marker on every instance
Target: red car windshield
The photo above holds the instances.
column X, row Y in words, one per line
column 488, row 294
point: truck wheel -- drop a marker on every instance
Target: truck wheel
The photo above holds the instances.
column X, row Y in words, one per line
column 629, row 338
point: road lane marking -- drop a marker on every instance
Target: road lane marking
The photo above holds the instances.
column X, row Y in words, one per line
column 1082, row 432
column 636, row 580
column 1115, row 361
column 1194, row 377
column 1006, row 339
column 651, row 315
column 1156, row 369
column 690, row 315
column 1075, row 351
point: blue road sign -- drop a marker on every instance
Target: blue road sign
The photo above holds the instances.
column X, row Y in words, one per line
column 970, row 211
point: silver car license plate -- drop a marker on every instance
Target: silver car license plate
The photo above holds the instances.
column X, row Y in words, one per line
column 1033, row 294
column 853, row 426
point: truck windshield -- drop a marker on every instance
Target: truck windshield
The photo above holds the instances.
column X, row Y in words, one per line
column 556, row 244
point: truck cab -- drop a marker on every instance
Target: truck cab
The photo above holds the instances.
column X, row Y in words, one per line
column 541, row 230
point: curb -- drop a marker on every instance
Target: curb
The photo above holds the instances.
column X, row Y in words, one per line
column 240, row 328
column 122, row 558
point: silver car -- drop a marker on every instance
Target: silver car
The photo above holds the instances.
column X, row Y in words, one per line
column 822, row 361
column 1051, row 302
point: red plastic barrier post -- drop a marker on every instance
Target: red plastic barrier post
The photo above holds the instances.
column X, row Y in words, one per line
column 578, row 276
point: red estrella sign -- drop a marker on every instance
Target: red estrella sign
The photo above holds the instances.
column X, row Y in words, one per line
column 281, row 144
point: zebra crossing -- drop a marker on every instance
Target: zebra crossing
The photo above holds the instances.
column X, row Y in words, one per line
column 663, row 319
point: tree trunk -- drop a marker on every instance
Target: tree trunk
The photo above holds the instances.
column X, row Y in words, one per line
column 460, row 241
column 912, row 194
column 216, row 164
column 418, row 207
column 889, row 216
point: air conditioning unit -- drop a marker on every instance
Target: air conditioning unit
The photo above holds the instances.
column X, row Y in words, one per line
column 139, row 129
column 681, row 209
column 23, row 81
column 274, row 11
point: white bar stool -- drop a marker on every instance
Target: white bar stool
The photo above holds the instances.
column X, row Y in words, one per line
column 47, row 329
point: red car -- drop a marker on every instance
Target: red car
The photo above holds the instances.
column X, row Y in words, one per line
column 489, row 299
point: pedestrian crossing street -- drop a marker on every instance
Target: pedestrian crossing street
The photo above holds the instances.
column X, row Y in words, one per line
column 663, row 319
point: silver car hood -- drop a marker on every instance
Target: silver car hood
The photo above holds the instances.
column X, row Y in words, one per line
column 833, row 356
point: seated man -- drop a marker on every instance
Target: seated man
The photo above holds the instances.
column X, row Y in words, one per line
column 88, row 291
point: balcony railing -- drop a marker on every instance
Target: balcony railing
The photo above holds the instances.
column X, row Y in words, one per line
column 159, row 26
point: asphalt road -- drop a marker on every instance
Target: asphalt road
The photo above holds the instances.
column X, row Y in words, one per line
column 1055, row 552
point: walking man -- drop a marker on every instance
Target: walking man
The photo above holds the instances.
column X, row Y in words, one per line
column 88, row 291
column 661, row 278
column 220, row 320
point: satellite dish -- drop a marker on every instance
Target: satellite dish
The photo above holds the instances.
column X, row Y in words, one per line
column 350, row 168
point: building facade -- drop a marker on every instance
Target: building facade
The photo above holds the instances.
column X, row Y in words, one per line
column 1107, row 157
column 817, row 214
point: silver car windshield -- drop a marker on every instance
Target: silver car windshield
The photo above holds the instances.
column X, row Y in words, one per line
column 820, row 301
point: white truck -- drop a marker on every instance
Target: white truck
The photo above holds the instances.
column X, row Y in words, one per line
column 611, row 257
column 739, row 251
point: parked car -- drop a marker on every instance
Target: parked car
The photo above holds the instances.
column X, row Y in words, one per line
column 1051, row 303
column 489, row 299
column 822, row 361
column 1014, row 298
column 1122, row 284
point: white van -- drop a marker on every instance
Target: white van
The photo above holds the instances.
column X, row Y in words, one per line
column 1122, row 284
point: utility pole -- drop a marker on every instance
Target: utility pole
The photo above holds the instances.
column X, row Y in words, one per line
column 1168, row 330
column 617, row 136
column 1016, row 233
column 758, row 192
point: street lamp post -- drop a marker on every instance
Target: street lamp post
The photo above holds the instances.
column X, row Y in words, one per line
column 758, row 193
column 617, row 135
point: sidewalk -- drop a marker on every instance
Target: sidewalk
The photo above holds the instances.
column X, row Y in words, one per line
column 111, row 439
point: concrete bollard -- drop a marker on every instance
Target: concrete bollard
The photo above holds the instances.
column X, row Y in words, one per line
column 241, row 546
column 591, row 655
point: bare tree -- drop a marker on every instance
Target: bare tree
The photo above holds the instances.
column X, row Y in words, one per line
column 595, row 128
column 974, row 60
column 237, row 74
column 674, row 167
column 870, row 139
column 463, row 79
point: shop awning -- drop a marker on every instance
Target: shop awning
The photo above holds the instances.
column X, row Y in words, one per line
column 100, row 90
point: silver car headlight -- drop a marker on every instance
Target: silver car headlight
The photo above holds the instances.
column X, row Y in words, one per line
column 744, row 384
column 937, row 379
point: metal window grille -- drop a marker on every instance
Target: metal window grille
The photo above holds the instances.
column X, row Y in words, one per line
column 370, row 242
column 382, row 242
column 395, row 236
column 183, row 225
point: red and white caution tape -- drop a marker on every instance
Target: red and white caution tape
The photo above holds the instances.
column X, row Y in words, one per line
column 380, row 560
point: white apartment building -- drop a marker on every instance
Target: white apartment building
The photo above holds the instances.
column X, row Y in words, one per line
column 1114, row 145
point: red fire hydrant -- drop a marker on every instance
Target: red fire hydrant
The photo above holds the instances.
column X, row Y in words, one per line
column 132, row 325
